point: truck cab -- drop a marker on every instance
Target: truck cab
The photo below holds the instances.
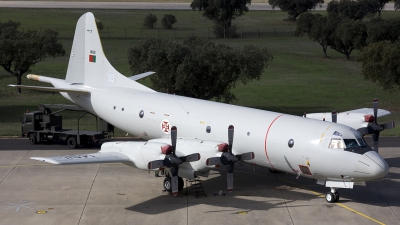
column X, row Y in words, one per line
column 31, row 122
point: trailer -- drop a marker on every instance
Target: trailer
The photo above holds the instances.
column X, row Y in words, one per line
column 45, row 126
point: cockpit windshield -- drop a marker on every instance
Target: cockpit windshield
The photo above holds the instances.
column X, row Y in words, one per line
column 356, row 145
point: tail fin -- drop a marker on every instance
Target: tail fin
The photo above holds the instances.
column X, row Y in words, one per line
column 88, row 65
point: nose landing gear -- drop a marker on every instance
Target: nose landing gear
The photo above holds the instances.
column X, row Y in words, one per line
column 332, row 196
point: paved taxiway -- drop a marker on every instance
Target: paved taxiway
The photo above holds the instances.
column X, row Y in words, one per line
column 118, row 194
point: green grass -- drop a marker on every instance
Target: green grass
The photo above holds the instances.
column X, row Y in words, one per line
column 298, row 79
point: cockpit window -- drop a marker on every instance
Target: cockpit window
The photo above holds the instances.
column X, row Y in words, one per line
column 350, row 143
column 336, row 143
column 361, row 142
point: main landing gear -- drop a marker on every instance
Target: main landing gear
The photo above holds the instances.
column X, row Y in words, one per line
column 332, row 196
column 168, row 184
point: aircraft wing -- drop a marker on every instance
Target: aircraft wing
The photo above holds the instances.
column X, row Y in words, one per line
column 52, row 89
column 99, row 157
column 370, row 111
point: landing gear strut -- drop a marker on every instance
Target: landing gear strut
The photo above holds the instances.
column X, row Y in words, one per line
column 332, row 196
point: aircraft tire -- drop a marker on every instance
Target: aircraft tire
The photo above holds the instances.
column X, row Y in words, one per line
column 180, row 183
column 337, row 196
column 32, row 139
column 71, row 142
column 330, row 197
column 167, row 184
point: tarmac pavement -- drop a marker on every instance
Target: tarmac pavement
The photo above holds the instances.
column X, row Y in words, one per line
column 118, row 194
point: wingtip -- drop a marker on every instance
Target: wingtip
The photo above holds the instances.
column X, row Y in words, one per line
column 42, row 159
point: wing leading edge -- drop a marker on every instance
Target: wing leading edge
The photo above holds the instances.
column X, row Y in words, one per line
column 99, row 157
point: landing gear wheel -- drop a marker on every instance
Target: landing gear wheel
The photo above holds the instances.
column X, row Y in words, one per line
column 330, row 197
column 71, row 142
column 167, row 184
column 337, row 196
column 32, row 139
column 180, row 183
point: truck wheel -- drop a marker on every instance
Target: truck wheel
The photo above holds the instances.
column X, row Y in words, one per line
column 32, row 138
column 71, row 142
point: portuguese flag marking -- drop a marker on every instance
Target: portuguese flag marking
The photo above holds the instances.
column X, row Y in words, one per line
column 92, row 58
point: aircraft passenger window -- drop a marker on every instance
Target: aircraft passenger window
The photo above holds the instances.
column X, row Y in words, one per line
column 336, row 143
column 351, row 143
column 208, row 129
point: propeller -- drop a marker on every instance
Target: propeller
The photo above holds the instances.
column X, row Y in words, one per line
column 172, row 161
column 334, row 116
column 374, row 128
column 228, row 158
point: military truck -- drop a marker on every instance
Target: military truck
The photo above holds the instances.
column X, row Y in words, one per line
column 45, row 126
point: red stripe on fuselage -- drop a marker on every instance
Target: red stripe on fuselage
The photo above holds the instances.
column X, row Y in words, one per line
column 265, row 141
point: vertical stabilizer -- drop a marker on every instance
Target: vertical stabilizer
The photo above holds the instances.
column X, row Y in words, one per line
column 88, row 65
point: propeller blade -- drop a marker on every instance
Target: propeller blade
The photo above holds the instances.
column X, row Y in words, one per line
column 334, row 116
column 388, row 125
column 246, row 156
column 375, row 104
column 375, row 137
column 191, row 158
column 363, row 130
column 213, row 161
column 174, row 180
column 174, row 135
column 155, row 164
column 174, row 183
column 229, row 176
column 230, row 137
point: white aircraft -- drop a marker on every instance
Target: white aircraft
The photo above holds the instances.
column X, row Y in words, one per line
column 364, row 120
column 333, row 154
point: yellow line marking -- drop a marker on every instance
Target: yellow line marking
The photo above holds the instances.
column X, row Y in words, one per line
column 321, row 196
column 329, row 127
column 322, row 136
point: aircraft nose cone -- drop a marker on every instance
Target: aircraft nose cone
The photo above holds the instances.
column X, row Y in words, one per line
column 378, row 167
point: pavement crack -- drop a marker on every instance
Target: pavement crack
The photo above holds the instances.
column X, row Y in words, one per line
column 14, row 167
column 284, row 200
column 90, row 191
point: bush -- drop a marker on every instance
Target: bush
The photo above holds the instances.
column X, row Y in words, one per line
column 150, row 21
column 168, row 20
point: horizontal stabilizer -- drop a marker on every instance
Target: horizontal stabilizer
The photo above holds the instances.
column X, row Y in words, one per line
column 142, row 75
column 99, row 157
column 52, row 89
column 369, row 111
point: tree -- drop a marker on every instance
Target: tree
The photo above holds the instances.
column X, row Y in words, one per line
column 99, row 25
column 295, row 7
column 168, row 20
column 318, row 28
column 355, row 10
column 20, row 50
column 150, row 21
column 396, row 4
column 380, row 30
column 380, row 64
column 349, row 35
column 197, row 68
column 221, row 12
